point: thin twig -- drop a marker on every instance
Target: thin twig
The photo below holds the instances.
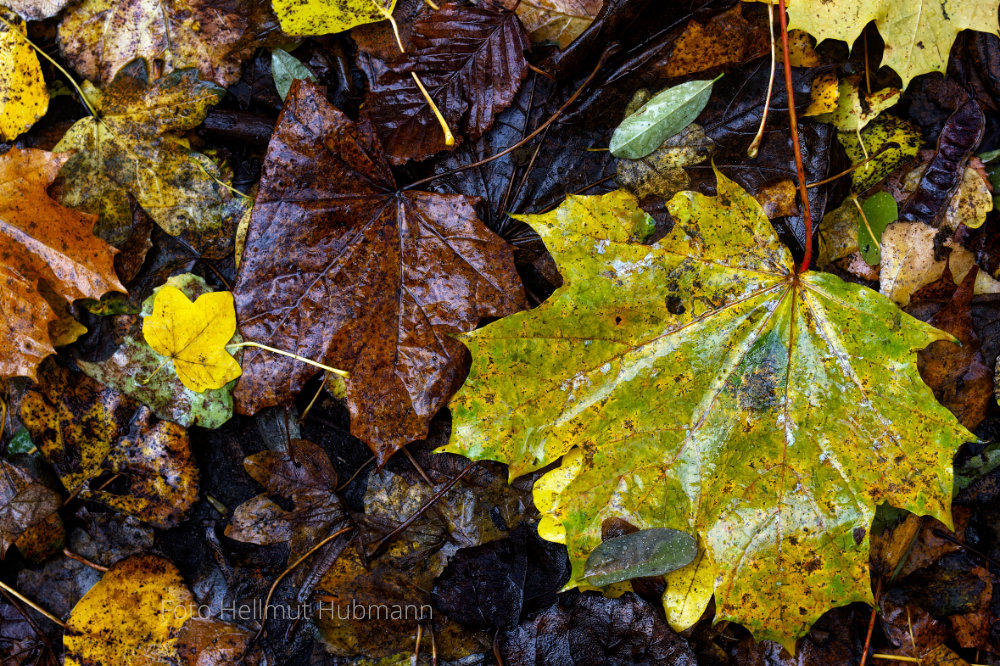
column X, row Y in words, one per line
column 25, row 600
column 355, row 475
column 416, row 465
column 83, row 560
column 419, row 512
column 891, row 144
column 871, row 620
column 755, row 144
column 608, row 52
column 958, row 542
column 541, row 72
column 794, row 126
column 312, row 402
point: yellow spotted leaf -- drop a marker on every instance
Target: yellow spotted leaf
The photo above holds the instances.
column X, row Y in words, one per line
column 23, row 95
column 133, row 615
column 918, row 34
column 699, row 383
column 194, row 336
column 321, row 17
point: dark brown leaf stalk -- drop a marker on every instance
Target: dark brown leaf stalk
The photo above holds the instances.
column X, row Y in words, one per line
column 794, row 126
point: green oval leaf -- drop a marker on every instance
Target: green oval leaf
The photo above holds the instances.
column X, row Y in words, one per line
column 880, row 210
column 651, row 552
column 669, row 112
column 285, row 68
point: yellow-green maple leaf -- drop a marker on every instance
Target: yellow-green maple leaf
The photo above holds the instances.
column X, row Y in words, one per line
column 23, row 95
column 194, row 336
column 700, row 384
column 321, row 17
column 918, row 34
column 132, row 148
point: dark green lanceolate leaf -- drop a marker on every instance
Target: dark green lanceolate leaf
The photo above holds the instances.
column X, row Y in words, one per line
column 285, row 68
column 660, row 118
column 699, row 384
column 880, row 211
column 651, row 552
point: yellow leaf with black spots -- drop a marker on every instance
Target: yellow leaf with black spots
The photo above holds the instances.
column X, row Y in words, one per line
column 23, row 95
column 700, row 383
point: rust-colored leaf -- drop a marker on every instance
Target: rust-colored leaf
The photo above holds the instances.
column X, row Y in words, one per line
column 471, row 60
column 42, row 242
column 957, row 374
column 724, row 39
column 342, row 268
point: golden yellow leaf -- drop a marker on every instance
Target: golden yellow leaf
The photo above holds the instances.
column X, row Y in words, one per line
column 131, row 616
column 23, row 96
column 321, row 17
column 194, row 336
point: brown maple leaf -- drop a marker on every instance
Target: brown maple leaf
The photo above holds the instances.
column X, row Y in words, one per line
column 42, row 242
column 343, row 268
column 471, row 59
column 24, row 502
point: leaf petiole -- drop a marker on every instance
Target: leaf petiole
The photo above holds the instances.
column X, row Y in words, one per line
column 343, row 373
column 158, row 368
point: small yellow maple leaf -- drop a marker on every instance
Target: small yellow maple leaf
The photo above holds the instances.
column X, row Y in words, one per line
column 194, row 336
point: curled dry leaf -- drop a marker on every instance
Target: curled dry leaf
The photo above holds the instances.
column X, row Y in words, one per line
column 559, row 21
column 133, row 615
column 136, row 370
column 23, row 95
column 99, row 37
column 24, row 503
column 689, row 372
column 302, row 474
column 132, row 149
column 86, row 430
column 344, row 269
column 470, row 59
column 42, row 242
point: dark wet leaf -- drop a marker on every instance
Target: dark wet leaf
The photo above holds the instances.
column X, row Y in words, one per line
column 304, row 475
column 493, row 585
column 470, row 59
column 588, row 630
column 344, row 269
column 24, row 503
column 957, row 374
column 958, row 140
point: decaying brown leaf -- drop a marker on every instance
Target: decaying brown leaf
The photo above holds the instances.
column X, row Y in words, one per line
column 471, row 60
column 40, row 241
column 559, row 21
column 86, row 430
column 302, row 474
column 24, row 503
column 344, row 269
column 724, row 39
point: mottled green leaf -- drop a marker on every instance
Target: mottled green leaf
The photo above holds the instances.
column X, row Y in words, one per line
column 651, row 552
column 137, row 371
column 669, row 112
column 880, row 211
column 700, row 384
column 285, row 68
column 876, row 137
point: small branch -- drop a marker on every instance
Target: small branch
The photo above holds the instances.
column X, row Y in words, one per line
column 83, row 560
column 794, row 126
column 891, row 144
column 343, row 373
column 25, row 600
column 419, row 512
column 355, row 475
column 608, row 52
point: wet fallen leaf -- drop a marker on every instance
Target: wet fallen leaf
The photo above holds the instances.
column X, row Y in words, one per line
column 661, row 173
column 150, row 603
column 470, row 59
column 136, row 370
column 559, row 21
column 346, row 270
column 665, row 348
column 587, row 629
column 916, row 42
column 194, row 335
column 86, row 430
column 663, row 116
column 42, row 242
column 855, row 109
column 969, row 204
column 24, row 503
column 957, row 374
column 877, row 212
column 23, row 95
column 204, row 641
column 875, row 143
column 909, row 260
column 36, row 10
column 133, row 149
column 99, row 37
column 724, row 39
column 285, row 68
column 320, row 17
column 302, row 474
